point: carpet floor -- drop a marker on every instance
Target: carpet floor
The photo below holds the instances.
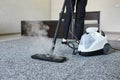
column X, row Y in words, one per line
column 16, row 63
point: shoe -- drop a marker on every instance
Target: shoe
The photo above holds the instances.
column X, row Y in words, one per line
column 64, row 41
column 77, row 41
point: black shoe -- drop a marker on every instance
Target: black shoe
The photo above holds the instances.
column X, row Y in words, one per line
column 64, row 41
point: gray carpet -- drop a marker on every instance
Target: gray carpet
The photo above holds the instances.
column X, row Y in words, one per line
column 16, row 64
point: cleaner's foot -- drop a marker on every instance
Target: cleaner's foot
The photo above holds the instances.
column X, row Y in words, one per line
column 64, row 41
column 77, row 41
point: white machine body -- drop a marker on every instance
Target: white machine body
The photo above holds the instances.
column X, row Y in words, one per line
column 92, row 41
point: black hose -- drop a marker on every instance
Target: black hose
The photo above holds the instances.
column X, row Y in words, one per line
column 73, row 45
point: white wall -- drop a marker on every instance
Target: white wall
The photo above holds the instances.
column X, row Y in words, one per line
column 110, row 12
column 56, row 7
column 13, row 11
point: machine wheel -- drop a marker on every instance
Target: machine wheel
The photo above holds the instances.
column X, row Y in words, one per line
column 106, row 48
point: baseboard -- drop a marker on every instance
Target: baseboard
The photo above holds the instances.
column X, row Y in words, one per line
column 110, row 32
column 113, row 35
column 10, row 34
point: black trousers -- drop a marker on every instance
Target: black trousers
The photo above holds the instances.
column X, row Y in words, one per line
column 79, row 17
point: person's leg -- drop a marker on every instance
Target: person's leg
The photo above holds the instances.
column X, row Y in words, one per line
column 67, row 19
column 80, row 15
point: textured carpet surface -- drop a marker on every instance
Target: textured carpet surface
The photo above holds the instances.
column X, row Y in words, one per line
column 16, row 63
